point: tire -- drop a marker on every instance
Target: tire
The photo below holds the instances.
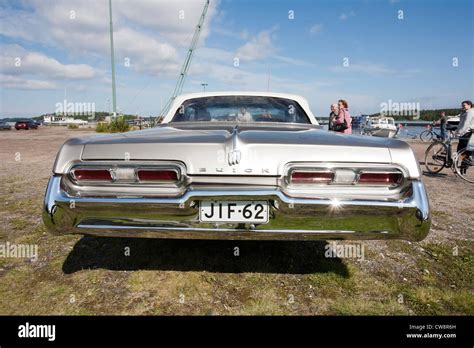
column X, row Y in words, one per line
column 436, row 157
column 464, row 165
column 426, row 135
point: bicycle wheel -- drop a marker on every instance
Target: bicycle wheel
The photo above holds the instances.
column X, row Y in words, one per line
column 436, row 157
column 426, row 135
column 464, row 165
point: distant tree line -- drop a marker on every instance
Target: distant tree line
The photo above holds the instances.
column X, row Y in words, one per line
column 98, row 116
column 426, row 115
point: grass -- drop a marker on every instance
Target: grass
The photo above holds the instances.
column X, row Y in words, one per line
column 440, row 214
column 19, row 223
column 451, row 264
column 428, row 300
column 88, row 275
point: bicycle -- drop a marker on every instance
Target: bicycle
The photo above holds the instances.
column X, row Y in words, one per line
column 430, row 134
column 464, row 164
column 439, row 155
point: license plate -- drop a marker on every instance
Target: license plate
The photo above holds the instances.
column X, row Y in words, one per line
column 234, row 211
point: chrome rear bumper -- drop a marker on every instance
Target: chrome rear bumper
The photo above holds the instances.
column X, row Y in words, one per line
column 290, row 218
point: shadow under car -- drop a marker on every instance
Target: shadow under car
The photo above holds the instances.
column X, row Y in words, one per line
column 292, row 257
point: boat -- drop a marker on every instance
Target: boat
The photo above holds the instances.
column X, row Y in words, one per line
column 380, row 126
column 359, row 121
column 453, row 120
column 60, row 120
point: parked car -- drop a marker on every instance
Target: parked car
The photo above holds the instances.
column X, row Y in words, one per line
column 236, row 165
column 5, row 126
column 27, row 124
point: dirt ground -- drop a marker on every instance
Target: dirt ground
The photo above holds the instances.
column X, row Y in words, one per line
column 89, row 275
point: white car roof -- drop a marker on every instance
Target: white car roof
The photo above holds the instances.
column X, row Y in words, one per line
column 183, row 97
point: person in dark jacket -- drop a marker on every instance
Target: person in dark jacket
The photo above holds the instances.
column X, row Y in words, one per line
column 442, row 125
column 333, row 115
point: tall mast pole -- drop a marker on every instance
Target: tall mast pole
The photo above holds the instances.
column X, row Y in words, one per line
column 182, row 76
column 112, row 59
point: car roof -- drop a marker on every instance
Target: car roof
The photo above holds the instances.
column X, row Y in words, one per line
column 244, row 93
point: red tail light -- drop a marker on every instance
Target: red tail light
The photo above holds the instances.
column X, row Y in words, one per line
column 380, row 178
column 298, row 177
column 157, row 175
column 92, row 174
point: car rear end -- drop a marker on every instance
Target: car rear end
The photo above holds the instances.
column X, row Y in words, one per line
column 32, row 125
column 4, row 126
column 21, row 125
column 298, row 199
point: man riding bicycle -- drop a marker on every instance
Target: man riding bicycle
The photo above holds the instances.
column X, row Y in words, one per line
column 465, row 128
column 442, row 125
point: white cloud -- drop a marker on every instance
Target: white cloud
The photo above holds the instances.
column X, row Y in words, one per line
column 15, row 82
column 43, row 65
column 239, row 35
column 293, row 61
column 177, row 19
column 152, row 34
column 15, row 60
column 259, row 46
column 316, row 29
column 345, row 16
column 212, row 54
column 146, row 54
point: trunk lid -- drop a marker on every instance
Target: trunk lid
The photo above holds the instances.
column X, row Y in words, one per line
column 236, row 150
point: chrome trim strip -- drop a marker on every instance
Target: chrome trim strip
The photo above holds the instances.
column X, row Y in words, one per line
column 408, row 218
column 62, row 196
column 196, row 229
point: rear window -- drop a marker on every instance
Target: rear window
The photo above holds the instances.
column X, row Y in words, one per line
column 241, row 109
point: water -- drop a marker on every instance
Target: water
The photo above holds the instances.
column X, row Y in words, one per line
column 411, row 132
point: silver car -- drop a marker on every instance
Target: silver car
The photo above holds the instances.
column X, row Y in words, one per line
column 237, row 165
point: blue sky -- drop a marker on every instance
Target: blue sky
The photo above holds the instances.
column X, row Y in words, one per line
column 63, row 50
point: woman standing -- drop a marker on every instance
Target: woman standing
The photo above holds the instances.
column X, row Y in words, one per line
column 343, row 122
column 332, row 116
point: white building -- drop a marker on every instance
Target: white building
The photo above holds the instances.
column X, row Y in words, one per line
column 59, row 120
